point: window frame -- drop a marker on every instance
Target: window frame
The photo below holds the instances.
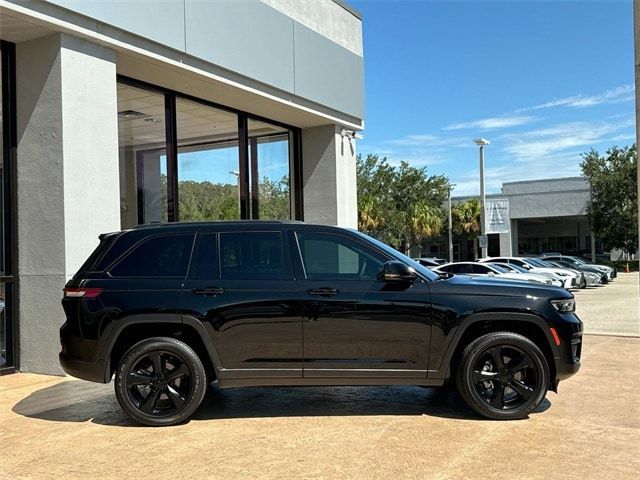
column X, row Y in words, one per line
column 171, row 149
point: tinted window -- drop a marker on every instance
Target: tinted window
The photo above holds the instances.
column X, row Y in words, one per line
column 458, row 268
column 480, row 269
column 204, row 263
column 165, row 256
column 332, row 256
column 250, row 255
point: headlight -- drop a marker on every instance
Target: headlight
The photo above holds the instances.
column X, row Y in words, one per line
column 562, row 274
column 566, row 305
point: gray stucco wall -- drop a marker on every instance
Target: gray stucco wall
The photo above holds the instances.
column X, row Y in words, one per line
column 563, row 197
column 67, row 178
column 329, row 177
column 254, row 39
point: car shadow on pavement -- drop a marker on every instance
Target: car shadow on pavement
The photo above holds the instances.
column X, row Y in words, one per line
column 74, row 401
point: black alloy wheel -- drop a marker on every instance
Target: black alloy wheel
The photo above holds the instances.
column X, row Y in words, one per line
column 503, row 375
column 160, row 381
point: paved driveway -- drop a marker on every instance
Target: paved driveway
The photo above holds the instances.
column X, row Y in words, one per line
column 62, row 428
column 611, row 308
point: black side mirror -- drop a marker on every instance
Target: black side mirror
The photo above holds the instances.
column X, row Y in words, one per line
column 394, row 271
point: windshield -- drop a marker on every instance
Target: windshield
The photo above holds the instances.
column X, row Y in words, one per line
column 577, row 261
column 537, row 262
column 422, row 270
column 518, row 268
column 499, row 268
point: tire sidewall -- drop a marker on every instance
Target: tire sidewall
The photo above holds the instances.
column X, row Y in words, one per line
column 174, row 347
column 470, row 356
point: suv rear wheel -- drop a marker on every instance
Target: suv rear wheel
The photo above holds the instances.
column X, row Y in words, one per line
column 160, row 381
column 503, row 376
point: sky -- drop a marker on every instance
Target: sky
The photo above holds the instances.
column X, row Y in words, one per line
column 543, row 81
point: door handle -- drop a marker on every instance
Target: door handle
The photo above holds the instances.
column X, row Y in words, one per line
column 323, row 291
column 208, row 291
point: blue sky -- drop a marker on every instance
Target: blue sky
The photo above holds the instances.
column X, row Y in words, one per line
column 544, row 81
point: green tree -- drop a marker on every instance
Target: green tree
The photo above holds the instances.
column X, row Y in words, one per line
column 613, row 207
column 465, row 218
column 399, row 205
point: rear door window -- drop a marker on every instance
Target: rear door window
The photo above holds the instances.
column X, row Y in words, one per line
column 160, row 256
column 204, row 262
column 252, row 255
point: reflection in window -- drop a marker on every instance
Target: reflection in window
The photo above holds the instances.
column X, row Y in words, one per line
column 143, row 161
column 335, row 257
column 270, row 181
column 208, row 163
column 250, row 255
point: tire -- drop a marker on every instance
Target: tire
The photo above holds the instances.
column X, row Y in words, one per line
column 160, row 382
column 494, row 388
column 583, row 283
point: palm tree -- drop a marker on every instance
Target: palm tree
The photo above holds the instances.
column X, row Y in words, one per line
column 466, row 221
column 424, row 221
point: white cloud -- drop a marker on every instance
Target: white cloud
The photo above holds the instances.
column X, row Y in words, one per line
column 623, row 93
column 538, row 144
column 427, row 140
column 504, row 121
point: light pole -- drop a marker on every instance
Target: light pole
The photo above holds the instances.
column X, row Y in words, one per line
column 481, row 142
column 450, row 228
column 237, row 175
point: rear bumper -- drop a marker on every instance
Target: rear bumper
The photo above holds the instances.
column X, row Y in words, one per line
column 92, row 371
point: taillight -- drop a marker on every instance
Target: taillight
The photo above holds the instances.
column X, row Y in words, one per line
column 82, row 292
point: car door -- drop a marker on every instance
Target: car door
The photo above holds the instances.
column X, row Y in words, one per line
column 240, row 285
column 355, row 325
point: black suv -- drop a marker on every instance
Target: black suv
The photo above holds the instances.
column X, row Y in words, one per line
column 171, row 308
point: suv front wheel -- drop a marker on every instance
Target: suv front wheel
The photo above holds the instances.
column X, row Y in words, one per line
column 503, row 376
column 160, row 381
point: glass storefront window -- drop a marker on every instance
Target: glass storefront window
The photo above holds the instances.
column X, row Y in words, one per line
column 185, row 159
column 143, row 159
column 270, row 179
column 208, row 163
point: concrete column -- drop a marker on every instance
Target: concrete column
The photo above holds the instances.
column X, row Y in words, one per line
column 67, row 178
column 329, row 177
column 505, row 244
column 514, row 237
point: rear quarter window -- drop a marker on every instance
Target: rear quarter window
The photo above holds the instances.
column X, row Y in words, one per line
column 160, row 256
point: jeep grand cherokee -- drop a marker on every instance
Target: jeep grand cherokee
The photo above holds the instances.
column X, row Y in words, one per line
column 170, row 308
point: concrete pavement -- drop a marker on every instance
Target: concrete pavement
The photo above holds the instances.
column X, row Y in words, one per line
column 612, row 308
column 53, row 427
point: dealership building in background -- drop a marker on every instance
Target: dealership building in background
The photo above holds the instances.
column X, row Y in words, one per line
column 536, row 216
column 120, row 113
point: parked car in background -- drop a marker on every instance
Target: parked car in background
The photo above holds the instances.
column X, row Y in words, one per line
column 569, row 278
column 606, row 273
column 491, row 270
column 170, row 308
column 590, row 279
column 430, row 262
column 555, row 280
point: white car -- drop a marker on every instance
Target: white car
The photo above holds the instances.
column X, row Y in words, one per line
column 555, row 281
column 589, row 278
column 491, row 270
column 569, row 278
